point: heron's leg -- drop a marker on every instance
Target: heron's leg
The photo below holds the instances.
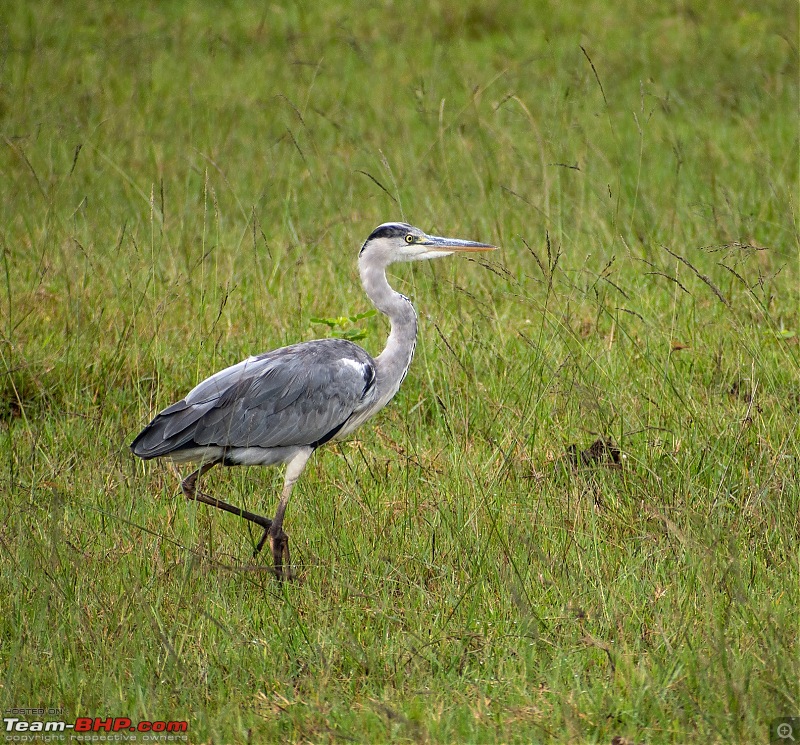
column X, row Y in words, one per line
column 190, row 491
column 279, row 541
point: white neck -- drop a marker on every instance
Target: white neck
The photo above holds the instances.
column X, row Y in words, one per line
column 392, row 364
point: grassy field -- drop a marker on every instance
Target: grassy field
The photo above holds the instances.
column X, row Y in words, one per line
column 186, row 184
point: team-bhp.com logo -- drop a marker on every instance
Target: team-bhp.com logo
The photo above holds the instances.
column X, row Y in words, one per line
column 88, row 729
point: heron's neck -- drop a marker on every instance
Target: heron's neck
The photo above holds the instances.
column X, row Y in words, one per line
column 393, row 363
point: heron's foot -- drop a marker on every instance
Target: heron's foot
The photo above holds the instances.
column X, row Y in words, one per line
column 279, row 542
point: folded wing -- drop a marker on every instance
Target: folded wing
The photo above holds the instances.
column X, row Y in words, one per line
column 294, row 396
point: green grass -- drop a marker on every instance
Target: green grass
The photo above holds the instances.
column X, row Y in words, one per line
column 185, row 185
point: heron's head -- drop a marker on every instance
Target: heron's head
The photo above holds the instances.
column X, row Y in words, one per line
column 399, row 241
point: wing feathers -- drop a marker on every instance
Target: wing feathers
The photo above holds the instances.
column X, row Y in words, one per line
column 298, row 395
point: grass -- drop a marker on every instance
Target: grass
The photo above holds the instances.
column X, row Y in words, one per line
column 186, row 185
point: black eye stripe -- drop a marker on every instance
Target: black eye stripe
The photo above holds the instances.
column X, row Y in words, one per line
column 392, row 230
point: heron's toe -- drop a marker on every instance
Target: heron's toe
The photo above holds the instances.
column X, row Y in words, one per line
column 261, row 543
column 279, row 543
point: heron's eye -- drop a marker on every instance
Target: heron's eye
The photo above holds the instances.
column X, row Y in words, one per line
column 409, row 238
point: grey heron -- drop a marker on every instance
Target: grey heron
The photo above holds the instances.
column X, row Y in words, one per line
column 280, row 406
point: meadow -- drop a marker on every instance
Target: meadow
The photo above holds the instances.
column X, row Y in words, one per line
column 578, row 521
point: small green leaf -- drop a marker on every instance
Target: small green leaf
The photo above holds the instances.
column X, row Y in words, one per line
column 361, row 316
column 341, row 326
column 351, row 334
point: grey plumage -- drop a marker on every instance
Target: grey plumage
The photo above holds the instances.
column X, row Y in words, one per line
column 302, row 395
column 280, row 406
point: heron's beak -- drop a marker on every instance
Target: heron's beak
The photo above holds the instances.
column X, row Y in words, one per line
column 452, row 245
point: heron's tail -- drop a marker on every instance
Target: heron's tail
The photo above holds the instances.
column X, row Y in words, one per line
column 173, row 429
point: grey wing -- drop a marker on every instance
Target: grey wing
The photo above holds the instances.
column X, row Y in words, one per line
column 298, row 395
